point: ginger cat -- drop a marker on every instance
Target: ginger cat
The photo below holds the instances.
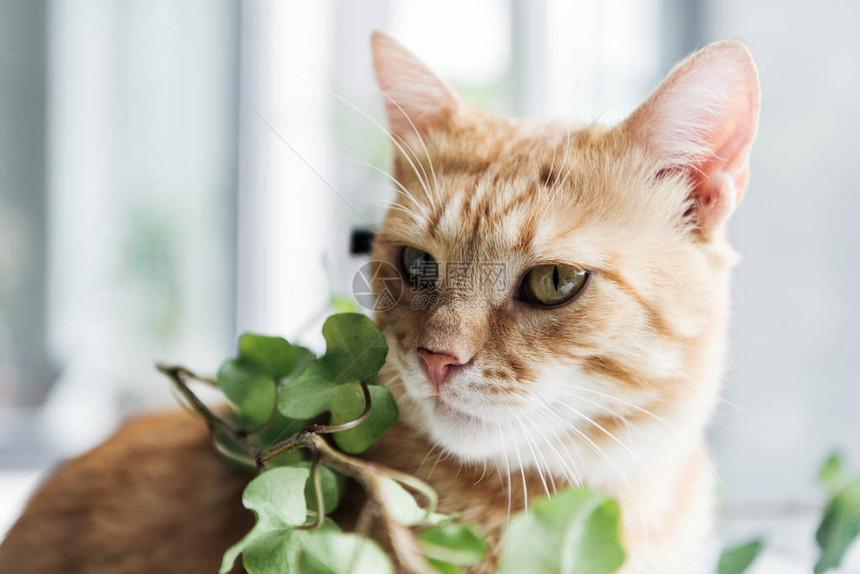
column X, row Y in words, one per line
column 562, row 321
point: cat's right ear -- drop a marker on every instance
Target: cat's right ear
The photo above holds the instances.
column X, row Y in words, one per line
column 702, row 120
column 416, row 99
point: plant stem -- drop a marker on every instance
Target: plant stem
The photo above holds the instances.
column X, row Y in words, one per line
column 403, row 543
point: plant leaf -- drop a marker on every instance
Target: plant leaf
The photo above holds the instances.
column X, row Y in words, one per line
column 400, row 503
column 327, row 552
column 443, row 567
column 277, row 499
column 272, row 356
column 333, row 485
column 832, row 474
column 349, row 404
column 839, row 527
column 279, row 429
column 355, row 347
column 458, row 544
column 355, row 351
column 575, row 532
column 274, row 552
column 737, row 559
column 343, row 304
column 310, row 394
column 279, row 551
column 251, row 392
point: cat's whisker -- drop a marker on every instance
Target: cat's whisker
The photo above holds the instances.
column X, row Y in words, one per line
column 625, row 403
column 629, row 451
column 609, row 411
column 395, row 206
column 397, row 144
column 507, row 467
column 537, row 452
column 420, row 139
column 443, row 455
column 626, row 448
column 423, row 176
column 541, row 407
column 534, row 456
column 400, row 187
column 522, row 471
column 597, row 450
column 719, row 396
column 553, row 191
column 483, row 473
column 429, row 453
column 557, row 186
column 569, row 475
column 708, row 462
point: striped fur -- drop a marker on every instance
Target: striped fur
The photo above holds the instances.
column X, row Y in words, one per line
column 614, row 389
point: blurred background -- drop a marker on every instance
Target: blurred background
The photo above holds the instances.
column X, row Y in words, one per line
column 175, row 173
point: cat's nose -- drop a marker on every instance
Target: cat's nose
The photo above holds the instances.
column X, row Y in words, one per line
column 439, row 366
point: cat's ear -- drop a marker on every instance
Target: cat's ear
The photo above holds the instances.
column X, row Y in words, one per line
column 414, row 96
column 703, row 119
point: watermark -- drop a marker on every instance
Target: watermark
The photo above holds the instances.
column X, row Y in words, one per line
column 384, row 274
column 422, row 280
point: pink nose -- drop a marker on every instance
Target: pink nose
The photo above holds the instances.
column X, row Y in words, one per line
column 438, row 366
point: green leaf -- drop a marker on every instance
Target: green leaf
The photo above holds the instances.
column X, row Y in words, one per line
column 343, row 304
column 400, row 503
column 333, row 485
column 443, row 567
column 280, row 429
column 274, row 552
column 458, row 544
column 327, row 552
column 355, row 347
column 575, row 532
column 349, row 404
column 832, row 475
column 310, row 394
column 355, row 351
column 272, row 356
column 277, row 499
column 437, row 519
column 839, row 527
column 279, row 551
column 252, row 393
column 736, row 560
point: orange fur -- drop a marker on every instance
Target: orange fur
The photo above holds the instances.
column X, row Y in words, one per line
column 154, row 498
column 612, row 390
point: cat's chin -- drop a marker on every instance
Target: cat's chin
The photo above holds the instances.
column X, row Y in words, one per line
column 463, row 434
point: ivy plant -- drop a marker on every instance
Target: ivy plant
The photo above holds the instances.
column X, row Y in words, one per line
column 840, row 524
column 296, row 420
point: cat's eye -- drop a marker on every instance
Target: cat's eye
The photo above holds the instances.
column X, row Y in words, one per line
column 551, row 285
column 419, row 268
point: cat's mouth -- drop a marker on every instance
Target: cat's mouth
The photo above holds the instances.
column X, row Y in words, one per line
column 453, row 414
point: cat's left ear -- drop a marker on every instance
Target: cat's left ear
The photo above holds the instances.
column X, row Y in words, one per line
column 703, row 120
column 416, row 99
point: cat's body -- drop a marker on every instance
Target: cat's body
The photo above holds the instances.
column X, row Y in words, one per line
column 156, row 497
column 595, row 357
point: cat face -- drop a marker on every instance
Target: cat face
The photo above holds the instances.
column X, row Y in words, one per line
column 561, row 284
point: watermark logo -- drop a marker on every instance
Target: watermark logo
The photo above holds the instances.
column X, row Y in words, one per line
column 386, row 276
column 460, row 277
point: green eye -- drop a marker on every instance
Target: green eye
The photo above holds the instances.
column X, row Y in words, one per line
column 551, row 285
column 419, row 268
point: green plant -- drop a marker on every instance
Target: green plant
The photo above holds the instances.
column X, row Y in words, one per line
column 297, row 419
column 840, row 523
column 737, row 559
